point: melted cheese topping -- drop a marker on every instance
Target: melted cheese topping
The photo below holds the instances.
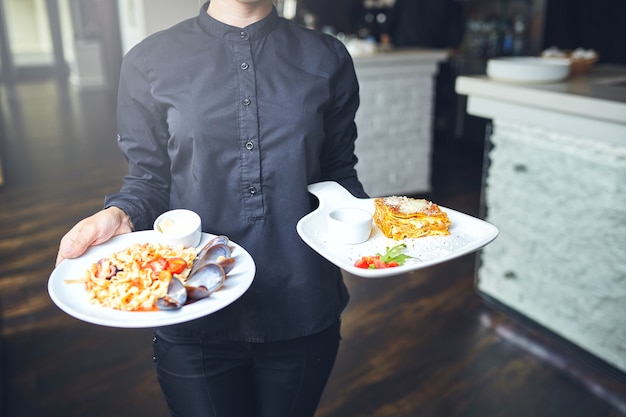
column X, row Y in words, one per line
column 400, row 217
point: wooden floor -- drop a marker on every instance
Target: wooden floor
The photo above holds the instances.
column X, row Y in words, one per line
column 419, row 345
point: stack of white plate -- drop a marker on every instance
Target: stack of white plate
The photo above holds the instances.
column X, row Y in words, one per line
column 528, row 69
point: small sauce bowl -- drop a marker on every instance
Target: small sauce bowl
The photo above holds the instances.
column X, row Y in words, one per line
column 349, row 225
column 179, row 227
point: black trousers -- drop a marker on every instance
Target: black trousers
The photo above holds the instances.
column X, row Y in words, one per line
column 207, row 378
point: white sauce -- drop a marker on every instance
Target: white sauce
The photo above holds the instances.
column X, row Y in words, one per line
column 171, row 228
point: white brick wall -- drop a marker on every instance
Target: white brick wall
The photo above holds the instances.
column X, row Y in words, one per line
column 559, row 202
column 395, row 125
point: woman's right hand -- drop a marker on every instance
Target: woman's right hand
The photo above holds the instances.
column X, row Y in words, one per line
column 93, row 230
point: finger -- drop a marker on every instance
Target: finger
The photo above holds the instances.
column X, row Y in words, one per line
column 93, row 230
column 77, row 240
column 59, row 259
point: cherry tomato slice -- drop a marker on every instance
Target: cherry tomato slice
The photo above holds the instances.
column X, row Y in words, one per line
column 157, row 265
column 176, row 265
column 165, row 275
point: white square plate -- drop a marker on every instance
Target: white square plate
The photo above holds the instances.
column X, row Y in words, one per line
column 467, row 234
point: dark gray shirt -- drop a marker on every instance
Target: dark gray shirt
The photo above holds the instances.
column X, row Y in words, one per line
column 234, row 124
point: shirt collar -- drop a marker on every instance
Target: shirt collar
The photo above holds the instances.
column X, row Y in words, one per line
column 221, row 30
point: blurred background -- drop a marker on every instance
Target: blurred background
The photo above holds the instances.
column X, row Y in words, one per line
column 83, row 41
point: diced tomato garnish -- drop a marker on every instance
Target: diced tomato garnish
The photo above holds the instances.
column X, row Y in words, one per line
column 366, row 262
column 378, row 264
column 361, row 263
column 374, row 262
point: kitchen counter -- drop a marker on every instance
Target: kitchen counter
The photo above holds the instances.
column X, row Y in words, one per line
column 555, row 186
column 570, row 106
column 395, row 120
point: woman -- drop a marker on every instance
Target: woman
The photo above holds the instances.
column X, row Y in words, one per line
column 232, row 114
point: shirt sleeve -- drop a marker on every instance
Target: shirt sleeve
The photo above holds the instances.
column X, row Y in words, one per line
column 338, row 159
column 142, row 138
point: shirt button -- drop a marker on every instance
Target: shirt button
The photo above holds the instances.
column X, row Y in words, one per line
column 249, row 145
column 244, row 66
column 246, row 101
column 242, row 35
column 118, row 138
column 252, row 190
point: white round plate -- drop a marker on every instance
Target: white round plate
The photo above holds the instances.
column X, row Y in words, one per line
column 72, row 297
column 528, row 69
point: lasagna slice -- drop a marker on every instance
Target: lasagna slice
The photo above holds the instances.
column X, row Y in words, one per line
column 403, row 217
